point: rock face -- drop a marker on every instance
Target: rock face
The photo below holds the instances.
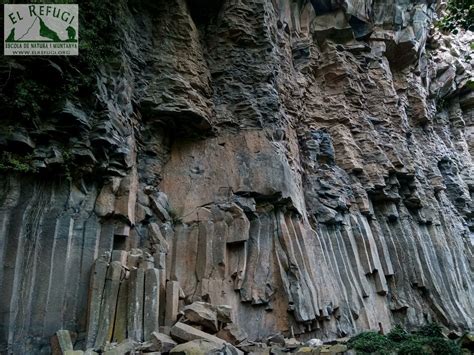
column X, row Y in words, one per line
column 307, row 163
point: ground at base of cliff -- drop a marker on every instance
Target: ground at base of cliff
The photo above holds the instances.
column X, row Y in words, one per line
column 190, row 337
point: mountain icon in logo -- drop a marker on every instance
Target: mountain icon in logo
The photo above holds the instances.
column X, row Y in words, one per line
column 41, row 29
column 46, row 32
column 38, row 31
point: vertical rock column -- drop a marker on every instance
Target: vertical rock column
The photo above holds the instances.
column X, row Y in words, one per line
column 124, row 299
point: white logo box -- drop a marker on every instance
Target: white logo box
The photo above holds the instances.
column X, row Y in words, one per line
column 41, row 29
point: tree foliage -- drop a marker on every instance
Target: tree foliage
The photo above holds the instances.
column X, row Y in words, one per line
column 427, row 340
column 459, row 14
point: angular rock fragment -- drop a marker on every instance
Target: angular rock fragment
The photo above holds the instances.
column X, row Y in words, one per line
column 202, row 313
column 185, row 333
column 239, row 225
column 276, row 339
column 162, row 342
column 232, row 334
column 126, row 197
column 224, row 314
column 120, row 256
column 124, row 347
column 156, row 237
column 291, row 343
column 201, row 346
column 333, row 25
column 159, row 207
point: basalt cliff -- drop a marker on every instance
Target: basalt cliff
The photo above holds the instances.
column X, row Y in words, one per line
column 306, row 165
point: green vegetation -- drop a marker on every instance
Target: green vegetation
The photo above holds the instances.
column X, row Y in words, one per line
column 25, row 163
column 459, row 15
column 68, row 165
column 433, row 330
column 398, row 334
column 370, row 342
column 34, row 87
column 16, row 163
column 427, row 340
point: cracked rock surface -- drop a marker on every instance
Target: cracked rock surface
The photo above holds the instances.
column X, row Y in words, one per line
column 305, row 167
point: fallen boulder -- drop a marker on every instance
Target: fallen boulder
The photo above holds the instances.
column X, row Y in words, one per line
column 254, row 348
column 232, row 334
column 224, row 314
column 162, row 342
column 201, row 347
column 338, row 349
column 292, row 343
column 185, row 333
column 124, row 347
column 202, row 313
column 276, row 339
